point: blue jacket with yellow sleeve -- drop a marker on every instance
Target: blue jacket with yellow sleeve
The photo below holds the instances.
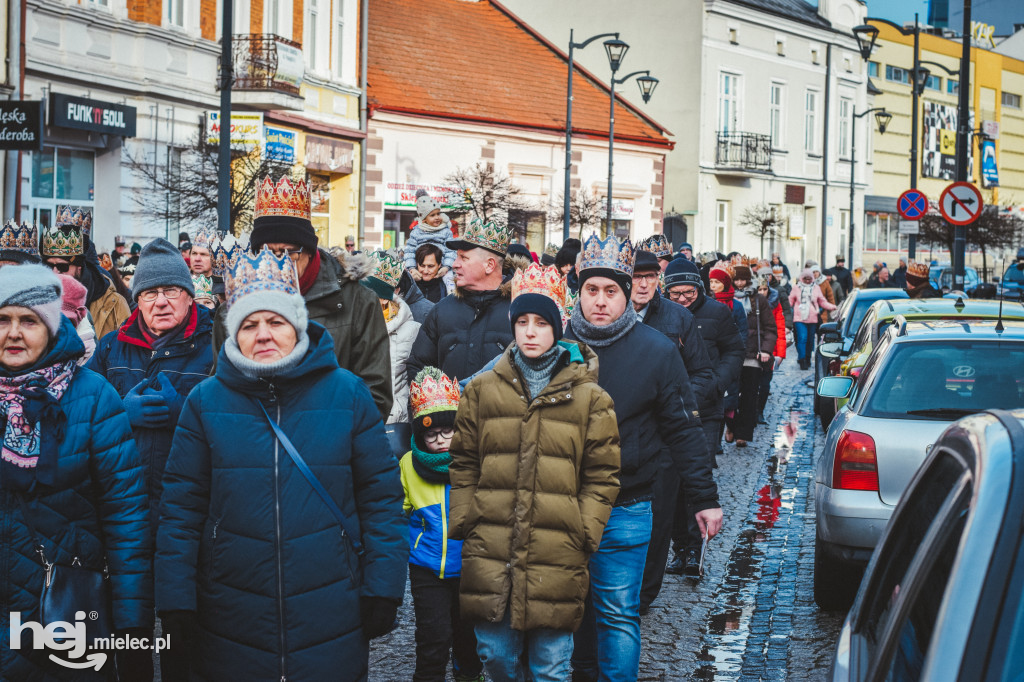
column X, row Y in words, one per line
column 427, row 506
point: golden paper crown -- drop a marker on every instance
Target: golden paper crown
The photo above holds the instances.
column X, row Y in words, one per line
column 432, row 391
column 658, row 245
column 203, row 286
column 386, row 268
column 64, row 239
column 24, row 238
column 261, row 272
column 285, row 199
column 490, row 236
column 546, row 281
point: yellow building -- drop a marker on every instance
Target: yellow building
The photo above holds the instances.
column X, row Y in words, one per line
column 997, row 89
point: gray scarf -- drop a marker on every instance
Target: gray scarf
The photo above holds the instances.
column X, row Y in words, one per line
column 600, row 337
column 257, row 370
column 537, row 372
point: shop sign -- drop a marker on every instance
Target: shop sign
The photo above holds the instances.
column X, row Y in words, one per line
column 622, row 209
column 330, row 155
column 21, row 124
column 68, row 111
column 404, row 193
column 981, row 35
column 290, row 65
column 280, row 144
column 246, row 129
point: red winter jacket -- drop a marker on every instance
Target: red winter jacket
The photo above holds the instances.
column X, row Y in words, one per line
column 780, row 323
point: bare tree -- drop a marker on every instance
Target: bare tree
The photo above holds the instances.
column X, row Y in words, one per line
column 182, row 190
column 482, row 192
column 586, row 210
column 761, row 221
column 994, row 230
column 934, row 230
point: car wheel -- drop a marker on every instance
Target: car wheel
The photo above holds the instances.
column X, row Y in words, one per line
column 835, row 583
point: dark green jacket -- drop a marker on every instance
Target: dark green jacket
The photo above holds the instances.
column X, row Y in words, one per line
column 351, row 314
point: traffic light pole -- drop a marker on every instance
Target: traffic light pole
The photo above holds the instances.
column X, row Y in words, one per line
column 963, row 145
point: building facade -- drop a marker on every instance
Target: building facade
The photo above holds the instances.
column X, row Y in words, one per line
column 495, row 98
column 997, row 146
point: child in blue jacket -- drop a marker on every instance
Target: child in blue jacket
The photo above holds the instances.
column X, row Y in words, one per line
column 435, row 562
column 433, row 227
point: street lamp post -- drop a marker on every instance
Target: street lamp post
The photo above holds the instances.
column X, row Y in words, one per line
column 882, row 117
column 568, row 123
column 647, row 85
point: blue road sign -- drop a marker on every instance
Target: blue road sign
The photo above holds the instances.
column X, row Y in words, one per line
column 912, row 204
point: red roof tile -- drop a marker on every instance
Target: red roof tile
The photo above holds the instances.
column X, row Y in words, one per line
column 474, row 60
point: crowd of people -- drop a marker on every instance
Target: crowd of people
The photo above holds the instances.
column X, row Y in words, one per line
column 259, row 444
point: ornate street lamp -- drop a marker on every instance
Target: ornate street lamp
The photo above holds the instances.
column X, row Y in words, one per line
column 882, row 118
column 616, row 50
column 647, row 84
column 866, row 35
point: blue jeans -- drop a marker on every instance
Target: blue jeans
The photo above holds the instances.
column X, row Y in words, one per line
column 501, row 649
column 608, row 642
column 805, row 339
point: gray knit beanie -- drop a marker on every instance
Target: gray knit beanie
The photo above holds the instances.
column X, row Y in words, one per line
column 425, row 204
column 161, row 265
column 34, row 287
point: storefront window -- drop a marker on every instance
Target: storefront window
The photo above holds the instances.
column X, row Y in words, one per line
column 871, row 231
column 620, row 228
column 63, row 174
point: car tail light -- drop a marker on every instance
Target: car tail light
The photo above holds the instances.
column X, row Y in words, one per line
column 855, row 372
column 855, row 466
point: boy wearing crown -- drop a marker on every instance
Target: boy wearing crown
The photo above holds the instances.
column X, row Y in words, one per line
column 435, row 561
column 534, row 469
column 655, row 409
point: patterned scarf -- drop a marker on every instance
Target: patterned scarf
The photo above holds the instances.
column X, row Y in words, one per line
column 803, row 309
column 27, row 403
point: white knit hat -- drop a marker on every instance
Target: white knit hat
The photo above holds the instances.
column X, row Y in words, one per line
column 34, row 287
column 425, row 204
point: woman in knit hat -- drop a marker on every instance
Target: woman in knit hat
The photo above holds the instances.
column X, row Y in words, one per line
column 761, row 338
column 73, row 491
column 530, row 498
column 73, row 308
column 807, row 300
column 433, row 227
column 435, row 561
column 308, row 563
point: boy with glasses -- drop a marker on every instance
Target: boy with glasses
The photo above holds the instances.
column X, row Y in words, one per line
column 435, row 562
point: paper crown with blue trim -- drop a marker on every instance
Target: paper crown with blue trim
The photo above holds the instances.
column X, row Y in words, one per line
column 226, row 251
column 204, row 238
column 658, row 245
column 609, row 254
column 261, row 273
column 23, row 238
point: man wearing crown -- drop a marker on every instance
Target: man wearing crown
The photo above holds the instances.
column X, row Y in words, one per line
column 200, row 259
column 68, row 251
column 333, row 295
column 465, row 330
column 656, row 411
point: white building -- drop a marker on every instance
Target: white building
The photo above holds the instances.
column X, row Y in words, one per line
column 759, row 95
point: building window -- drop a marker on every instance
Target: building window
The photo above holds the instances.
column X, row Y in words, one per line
column 814, row 55
column 897, row 75
column 728, row 102
column 811, row 121
column 952, row 86
column 734, row 36
column 721, row 224
column 775, row 124
column 312, row 28
column 845, row 120
column 339, row 35
column 59, row 173
column 1011, row 100
column 780, row 48
column 881, row 232
column 933, row 83
column 873, row 69
column 176, row 12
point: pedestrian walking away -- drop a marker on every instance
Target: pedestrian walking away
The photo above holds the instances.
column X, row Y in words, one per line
column 761, row 337
column 280, row 551
column 807, row 300
column 530, row 499
column 644, row 375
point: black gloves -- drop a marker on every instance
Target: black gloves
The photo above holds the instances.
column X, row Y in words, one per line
column 378, row 615
column 175, row 661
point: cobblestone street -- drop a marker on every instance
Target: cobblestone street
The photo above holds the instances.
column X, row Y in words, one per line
column 753, row 615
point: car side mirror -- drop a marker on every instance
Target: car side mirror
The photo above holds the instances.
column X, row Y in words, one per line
column 827, row 328
column 831, row 350
column 835, row 387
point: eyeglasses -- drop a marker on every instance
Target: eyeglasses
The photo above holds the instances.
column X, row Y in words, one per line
column 676, row 294
column 434, row 436
column 170, row 293
column 291, row 253
column 649, row 277
column 62, row 268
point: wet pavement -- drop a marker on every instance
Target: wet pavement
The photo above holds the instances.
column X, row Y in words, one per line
column 752, row 616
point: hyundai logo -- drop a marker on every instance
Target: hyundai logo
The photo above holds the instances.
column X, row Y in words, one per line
column 963, row 371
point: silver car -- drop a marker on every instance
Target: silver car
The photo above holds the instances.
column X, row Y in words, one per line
column 920, row 377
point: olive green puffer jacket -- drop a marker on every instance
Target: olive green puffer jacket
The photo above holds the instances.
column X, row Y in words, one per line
column 532, row 488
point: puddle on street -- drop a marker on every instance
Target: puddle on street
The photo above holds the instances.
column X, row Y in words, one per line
column 727, row 630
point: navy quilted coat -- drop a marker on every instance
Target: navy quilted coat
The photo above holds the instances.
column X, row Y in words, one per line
column 96, row 510
column 246, row 542
column 125, row 357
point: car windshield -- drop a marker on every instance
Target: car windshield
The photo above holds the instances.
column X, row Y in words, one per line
column 947, row 380
column 857, row 316
column 1014, row 273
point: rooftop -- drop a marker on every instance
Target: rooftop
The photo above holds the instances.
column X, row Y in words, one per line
column 473, row 60
column 796, row 10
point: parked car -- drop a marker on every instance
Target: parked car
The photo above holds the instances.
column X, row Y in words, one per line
column 847, row 321
column 880, row 316
column 941, row 277
column 920, row 377
column 943, row 596
column 1011, row 286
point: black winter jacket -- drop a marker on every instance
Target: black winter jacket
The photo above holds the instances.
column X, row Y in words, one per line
column 676, row 322
column 655, row 408
column 463, row 332
column 761, row 329
column 724, row 343
column 413, row 296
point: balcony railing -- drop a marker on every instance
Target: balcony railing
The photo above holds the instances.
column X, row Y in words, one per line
column 744, row 151
column 264, row 61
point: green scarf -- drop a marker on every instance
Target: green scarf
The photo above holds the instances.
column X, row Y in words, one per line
column 435, row 462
